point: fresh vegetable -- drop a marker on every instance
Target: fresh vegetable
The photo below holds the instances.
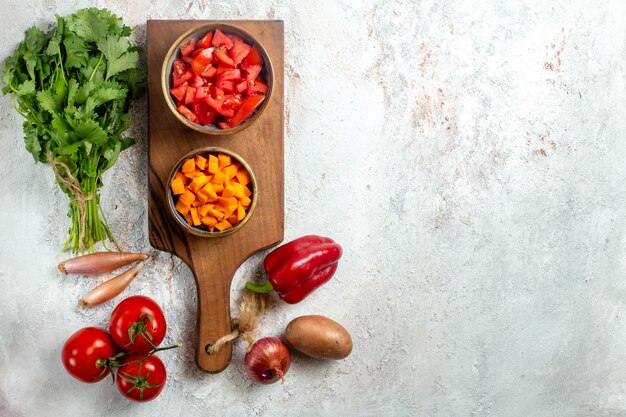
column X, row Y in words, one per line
column 73, row 86
column 319, row 337
column 89, row 354
column 212, row 192
column 217, row 80
column 141, row 378
column 268, row 360
column 99, row 263
column 137, row 324
column 296, row 269
column 111, row 288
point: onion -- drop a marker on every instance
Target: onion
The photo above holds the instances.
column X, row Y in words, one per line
column 111, row 288
column 268, row 360
column 99, row 262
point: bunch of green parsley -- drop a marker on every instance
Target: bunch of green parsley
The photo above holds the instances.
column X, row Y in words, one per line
column 74, row 85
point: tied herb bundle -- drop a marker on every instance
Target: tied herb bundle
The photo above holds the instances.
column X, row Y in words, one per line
column 74, row 85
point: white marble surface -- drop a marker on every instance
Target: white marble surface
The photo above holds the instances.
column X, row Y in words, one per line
column 470, row 156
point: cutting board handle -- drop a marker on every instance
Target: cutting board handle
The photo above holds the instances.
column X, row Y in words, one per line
column 213, row 283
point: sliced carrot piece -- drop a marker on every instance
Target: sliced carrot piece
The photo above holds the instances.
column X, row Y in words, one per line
column 216, row 213
column 187, row 198
column 209, row 221
column 204, row 209
column 198, row 182
column 219, row 178
column 189, row 219
column 189, row 165
column 219, row 188
column 247, row 192
column 233, row 219
column 193, row 174
column 229, row 191
column 182, row 177
column 209, row 189
column 201, row 162
column 241, row 212
column 202, row 197
column 178, row 186
column 194, row 217
column 230, row 172
column 213, row 164
column 243, row 176
column 245, row 201
column 224, row 160
column 181, row 208
column 223, row 225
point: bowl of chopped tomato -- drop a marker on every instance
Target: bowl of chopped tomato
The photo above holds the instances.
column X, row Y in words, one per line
column 217, row 79
column 212, row 192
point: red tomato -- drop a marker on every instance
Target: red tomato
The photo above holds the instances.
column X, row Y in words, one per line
column 253, row 58
column 188, row 48
column 179, row 92
column 178, row 80
column 239, row 51
column 201, row 61
column 191, row 95
column 85, row 354
column 246, row 109
column 230, row 75
column 140, row 379
column 219, row 39
column 205, row 42
column 138, row 324
column 223, row 58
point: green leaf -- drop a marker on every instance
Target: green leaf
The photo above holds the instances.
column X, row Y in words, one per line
column 53, row 48
column 34, row 40
column 126, row 61
column 47, row 102
column 135, row 80
column 31, row 140
column 92, row 131
column 25, row 88
column 113, row 47
column 90, row 24
column 77, row 52
column 30, row 61
column 72, row 88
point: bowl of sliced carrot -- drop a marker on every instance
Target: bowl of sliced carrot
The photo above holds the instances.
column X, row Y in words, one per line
column 212, row 192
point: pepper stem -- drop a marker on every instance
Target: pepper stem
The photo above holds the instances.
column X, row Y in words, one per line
column 263, row 288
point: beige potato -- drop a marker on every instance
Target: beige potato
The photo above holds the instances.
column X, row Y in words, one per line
column 319, row 337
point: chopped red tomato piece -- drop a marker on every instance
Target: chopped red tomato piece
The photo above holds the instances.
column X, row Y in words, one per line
column 188, row 48
column 239, row 51
column 223, row 125
column 205, row 42
column 179, row 92
column 230, row 75
column 256, row 86
column 188, row 59
column 253, row 71
column 191, row 95
column 217, row 104
column 201, row 61
column 178, row 80
column 220, row 39
column 253, row 58
column 187, row 113
column 246, row 109
column 241, row 87
column 227, row 86
column 223, row 58
column 209, row 71
column 201, row 93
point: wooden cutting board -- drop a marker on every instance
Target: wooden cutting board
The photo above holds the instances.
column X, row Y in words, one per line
column 214, row 261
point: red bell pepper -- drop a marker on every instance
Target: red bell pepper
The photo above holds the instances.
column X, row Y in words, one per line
column 296, row 269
